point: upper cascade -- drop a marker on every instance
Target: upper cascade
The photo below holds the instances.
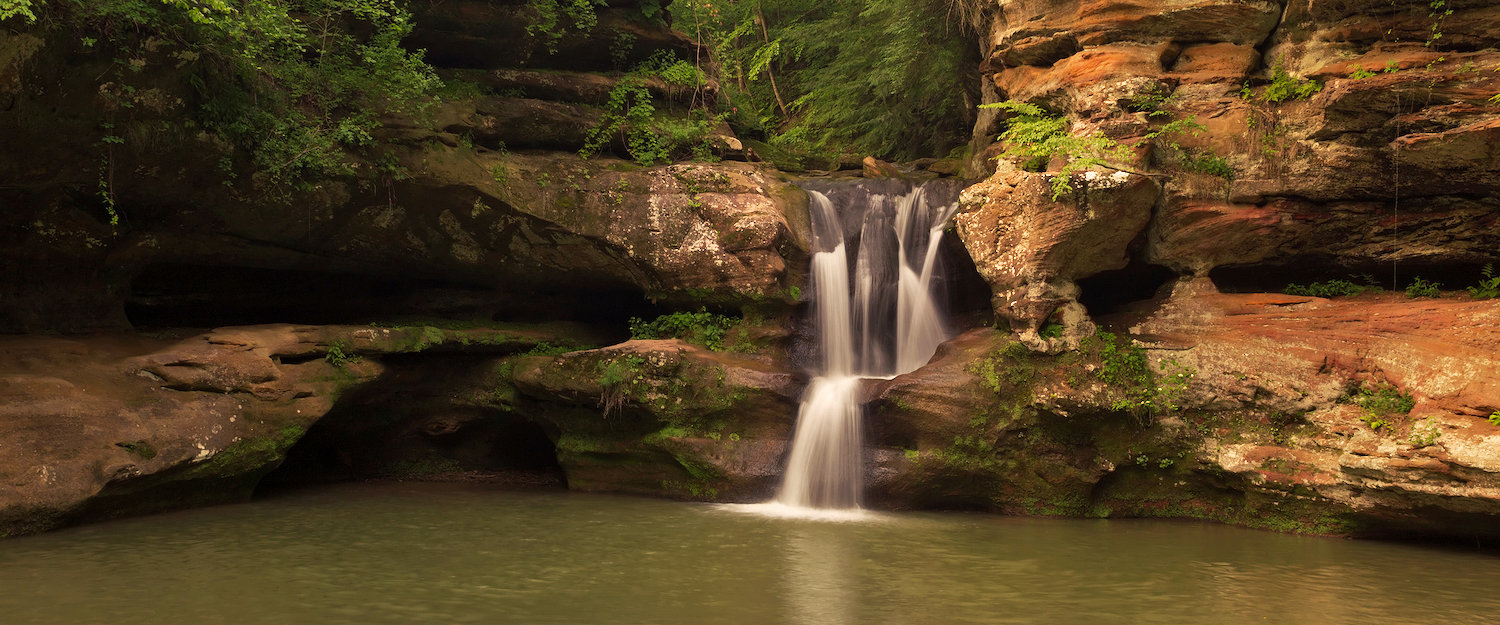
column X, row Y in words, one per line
column 875, row 275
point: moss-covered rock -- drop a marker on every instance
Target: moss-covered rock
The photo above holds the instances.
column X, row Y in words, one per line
column 663, row 417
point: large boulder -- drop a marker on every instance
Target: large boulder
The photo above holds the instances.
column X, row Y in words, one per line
column 1031, row 248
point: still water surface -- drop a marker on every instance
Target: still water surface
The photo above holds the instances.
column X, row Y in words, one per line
column 437, row 554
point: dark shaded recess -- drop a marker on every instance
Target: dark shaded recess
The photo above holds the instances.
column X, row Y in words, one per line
column 185, row 295
column 1112, row 291
column 405, row 425
column 1274, row 277
column 964, row 292
column 490, row 35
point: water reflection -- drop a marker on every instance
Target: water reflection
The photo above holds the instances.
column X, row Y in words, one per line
column 419, row 554
column 819, row 584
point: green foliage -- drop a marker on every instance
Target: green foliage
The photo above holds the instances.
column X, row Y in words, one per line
column 1422, row 288
column 1439, row 11
column 702, row 327
column 1284, row 87
column 297, row 85
column 882, row 77
column 339, row 354
column 1124, row 363
column 1379, row 403
column 1140, row 390
column 1036, row 136
column 1489, row 284
column 1190, row 160
column 1360, row 73
column 630, row 115
column 1153, row 102
column 1331, row 288
column 969, row 453
column 547, row 19
column 13, row 8
column 1210, row 164
column 1050, row 330
column 1425, row 433
column 616, row 376
column 501, row 175
column 1494, row 418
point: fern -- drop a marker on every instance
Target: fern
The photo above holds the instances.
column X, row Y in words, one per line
column 1489, row 284
column 1036, row 136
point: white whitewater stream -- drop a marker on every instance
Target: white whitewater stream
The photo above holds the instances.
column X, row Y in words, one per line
column 876, row 318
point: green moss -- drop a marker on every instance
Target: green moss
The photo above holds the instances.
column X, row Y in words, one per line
column 251, row 455
column 141, row 448
column 422, row 467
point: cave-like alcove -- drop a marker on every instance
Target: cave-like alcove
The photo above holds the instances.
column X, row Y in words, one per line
column 1112, row 291
column 1274, row 276
column 407, row 425
column 191, row 295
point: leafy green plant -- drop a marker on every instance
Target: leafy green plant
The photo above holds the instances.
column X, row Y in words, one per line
column 1139, row 390
column 1153, row 101
column 819, row 79
column 1036, row 136
column 547, row 19
column 1425, row 433
column 292, row 89
column 702, row 327
column 1166, row 137
column 13, row 8
column 616, row 376
column 339, row 354
column 1494, row 418
column 1124, row 364
column 1422, row 288
column 1489, row 284
column 1439, row 11
column 968, row 453
column 1210, row 164
column 1360, row 73
column 1331, row 288
column 631, row 115
column 1379, row 403
column 1050, row 330
column 1285, row 87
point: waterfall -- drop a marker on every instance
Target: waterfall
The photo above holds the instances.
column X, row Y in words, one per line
column 881, row 323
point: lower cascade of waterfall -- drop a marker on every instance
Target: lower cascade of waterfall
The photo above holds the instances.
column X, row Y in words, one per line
column 875, row 274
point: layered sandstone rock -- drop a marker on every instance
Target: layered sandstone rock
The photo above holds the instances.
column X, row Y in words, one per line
column 109, row 424
column 1268, row 430
column 1386, row 158
column 1031, row 248
column 1383, row 165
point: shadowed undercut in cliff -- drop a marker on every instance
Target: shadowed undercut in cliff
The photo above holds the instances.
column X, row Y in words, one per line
column 408, row 424
column 185, row 295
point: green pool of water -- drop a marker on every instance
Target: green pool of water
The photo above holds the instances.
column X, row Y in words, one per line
column 426, row 553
